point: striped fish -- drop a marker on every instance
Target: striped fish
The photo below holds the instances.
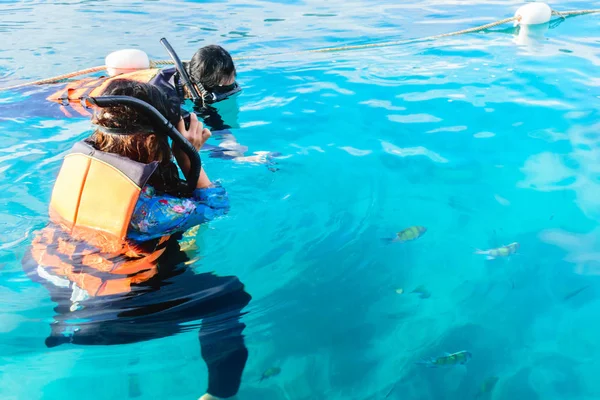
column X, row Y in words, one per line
column 409, row 234
column 504, row 251
column 447, row 360
column 273, row 371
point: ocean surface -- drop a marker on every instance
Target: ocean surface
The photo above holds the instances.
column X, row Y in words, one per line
column 484, row 139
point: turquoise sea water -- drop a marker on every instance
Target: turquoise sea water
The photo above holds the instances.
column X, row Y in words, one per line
column 485, row 139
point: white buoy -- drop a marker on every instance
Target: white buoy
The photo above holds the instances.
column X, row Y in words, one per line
column 126, row 60
column 533, row 14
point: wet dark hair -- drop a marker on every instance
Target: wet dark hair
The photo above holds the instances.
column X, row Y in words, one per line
column 125, row 118
column 211, row 66
column 138, row 141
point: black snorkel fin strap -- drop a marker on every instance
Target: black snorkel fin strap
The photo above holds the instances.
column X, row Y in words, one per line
column 160, row 122
column 181, row 70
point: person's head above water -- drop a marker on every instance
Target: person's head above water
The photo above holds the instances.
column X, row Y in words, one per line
column 124, row 131
column 127, row 132
column 212, row 66
column 212, row 70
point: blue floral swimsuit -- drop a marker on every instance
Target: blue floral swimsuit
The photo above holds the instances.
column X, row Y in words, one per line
column 159, row 215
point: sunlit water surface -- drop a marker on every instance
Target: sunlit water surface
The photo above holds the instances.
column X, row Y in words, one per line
column 484, row 139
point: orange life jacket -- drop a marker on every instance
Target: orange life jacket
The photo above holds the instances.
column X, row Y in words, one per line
column 70, row 94
column 92, row 204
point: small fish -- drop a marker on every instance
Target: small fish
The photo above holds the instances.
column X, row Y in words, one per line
column 487, row 386
column 187, row 242
column 399, row 290
column 273, row 371
column 504, row 251
column 409, row 234
column 188, row 245
column 447, row 360
column 574, row 293
column 422, row 291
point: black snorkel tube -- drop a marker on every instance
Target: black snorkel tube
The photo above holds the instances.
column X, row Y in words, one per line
column 182, row 72
column 199, row 93
column 159, row 121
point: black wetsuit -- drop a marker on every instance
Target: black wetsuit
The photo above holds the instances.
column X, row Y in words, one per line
column 156, row 309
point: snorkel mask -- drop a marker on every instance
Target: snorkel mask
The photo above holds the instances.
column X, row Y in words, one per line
column 200, row 94
column 220, row 93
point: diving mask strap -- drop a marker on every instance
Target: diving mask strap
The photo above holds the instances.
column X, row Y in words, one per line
column 85, row 103
column 121, row 131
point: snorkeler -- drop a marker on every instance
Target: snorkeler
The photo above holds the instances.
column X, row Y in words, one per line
column 110, row 255
column 208, row 78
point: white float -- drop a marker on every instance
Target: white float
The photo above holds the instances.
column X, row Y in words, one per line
column 533, row 14
column 126, row 60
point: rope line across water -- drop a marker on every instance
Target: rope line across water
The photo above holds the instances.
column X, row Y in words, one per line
column 155, row 63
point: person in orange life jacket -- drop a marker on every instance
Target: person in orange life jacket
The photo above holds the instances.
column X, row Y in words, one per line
column 211, row 71
column 213, row 74
column 110, row 256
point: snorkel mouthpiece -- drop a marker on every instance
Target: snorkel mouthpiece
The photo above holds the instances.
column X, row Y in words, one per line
column 160, row 123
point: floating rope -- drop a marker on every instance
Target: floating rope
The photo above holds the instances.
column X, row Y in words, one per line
column 387, row 44
column 57, row 78
column 576, row 12
column 155, row 63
